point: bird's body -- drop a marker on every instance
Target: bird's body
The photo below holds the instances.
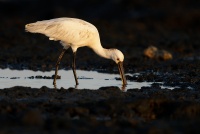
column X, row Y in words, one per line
column 75, row 33
column 70, row 31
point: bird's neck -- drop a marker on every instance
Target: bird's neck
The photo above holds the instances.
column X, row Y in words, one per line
column 99, row 50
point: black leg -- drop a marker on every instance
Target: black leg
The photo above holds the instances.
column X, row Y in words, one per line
column 57, row 65
column 74, row 68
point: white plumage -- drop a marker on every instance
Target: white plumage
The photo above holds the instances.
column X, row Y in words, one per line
column 75, row 33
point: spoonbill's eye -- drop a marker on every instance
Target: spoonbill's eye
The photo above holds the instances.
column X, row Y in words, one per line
column 117, row 59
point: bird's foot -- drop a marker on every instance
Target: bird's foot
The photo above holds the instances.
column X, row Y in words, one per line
column 55, row 86
column 123, row 88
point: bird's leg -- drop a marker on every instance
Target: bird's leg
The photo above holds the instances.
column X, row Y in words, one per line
column 74, row 67
column 57, row 65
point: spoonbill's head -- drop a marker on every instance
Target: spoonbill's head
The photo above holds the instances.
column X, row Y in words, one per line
column 118, row 57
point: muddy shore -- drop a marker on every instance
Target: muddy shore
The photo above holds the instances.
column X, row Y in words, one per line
column 130, row 26
column 107, row 110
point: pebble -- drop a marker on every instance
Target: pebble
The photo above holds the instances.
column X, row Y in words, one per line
column 153, row 52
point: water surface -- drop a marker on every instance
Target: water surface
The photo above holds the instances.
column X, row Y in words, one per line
column 87, row 79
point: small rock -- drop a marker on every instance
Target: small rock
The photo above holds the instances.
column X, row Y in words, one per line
column 150, row 52
column 84, row 77
column 38, row 77
column 153, row 53
column 58, row 77
column 14, row 78
column 47, row 77
column 31, row 77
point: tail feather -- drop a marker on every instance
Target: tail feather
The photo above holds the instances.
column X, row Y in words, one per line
column 51, row 28
column 35, row 27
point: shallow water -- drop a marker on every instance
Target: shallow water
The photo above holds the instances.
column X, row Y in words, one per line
column 87, row 79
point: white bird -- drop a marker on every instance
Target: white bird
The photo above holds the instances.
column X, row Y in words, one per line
column 75, row 33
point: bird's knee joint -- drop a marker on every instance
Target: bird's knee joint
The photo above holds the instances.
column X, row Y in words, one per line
column 73, row 66
column 58, row 63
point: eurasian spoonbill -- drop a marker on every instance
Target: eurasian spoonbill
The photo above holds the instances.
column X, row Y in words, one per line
column 75, row 33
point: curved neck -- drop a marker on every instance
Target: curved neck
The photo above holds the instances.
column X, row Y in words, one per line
column 99, row 50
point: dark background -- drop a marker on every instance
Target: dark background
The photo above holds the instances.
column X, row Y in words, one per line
column 130, row 26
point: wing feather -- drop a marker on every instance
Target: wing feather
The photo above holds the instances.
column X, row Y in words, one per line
column 68, row 30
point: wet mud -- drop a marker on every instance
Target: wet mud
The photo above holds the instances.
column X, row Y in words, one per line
column 130, row 26
column 106, row 110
